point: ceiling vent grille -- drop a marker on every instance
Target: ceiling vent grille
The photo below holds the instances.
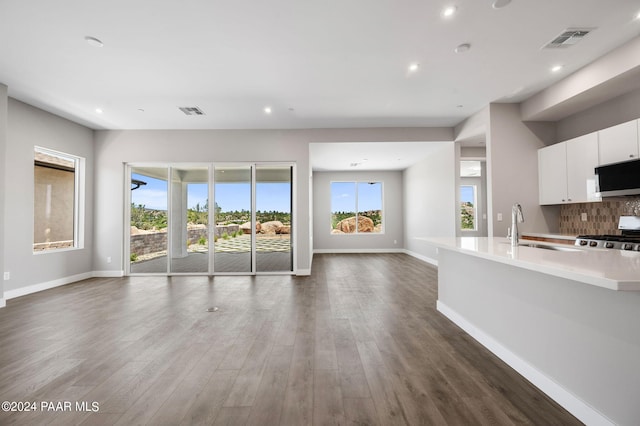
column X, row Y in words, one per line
column 191, row 110
column 568, row 38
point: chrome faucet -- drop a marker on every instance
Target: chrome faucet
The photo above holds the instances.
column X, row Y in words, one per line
column 516, row 216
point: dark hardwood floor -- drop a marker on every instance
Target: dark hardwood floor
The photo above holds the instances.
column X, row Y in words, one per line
column 359, row 342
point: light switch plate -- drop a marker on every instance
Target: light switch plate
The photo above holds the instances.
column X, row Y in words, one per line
column 583, row 217
column 7, row 276
column 499, row 217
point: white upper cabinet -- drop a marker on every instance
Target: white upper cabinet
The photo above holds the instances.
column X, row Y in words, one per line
column 582, row 159
column 566, row 171
column 552, row 174
column 618, row 143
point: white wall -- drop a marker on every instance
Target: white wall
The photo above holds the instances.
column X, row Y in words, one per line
column 429, row 192
column 3, row 148
column 512, row 173
column 27, row 127
column 618, row 110
column 392, row 239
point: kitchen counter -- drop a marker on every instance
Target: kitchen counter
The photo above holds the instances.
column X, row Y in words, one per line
column 611, row 269
column 553, row 316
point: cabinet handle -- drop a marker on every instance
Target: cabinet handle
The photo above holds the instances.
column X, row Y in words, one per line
column 569, row 199
column 631, row 155
column 563, row 200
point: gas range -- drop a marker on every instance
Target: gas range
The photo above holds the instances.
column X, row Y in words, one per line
column 629, row 239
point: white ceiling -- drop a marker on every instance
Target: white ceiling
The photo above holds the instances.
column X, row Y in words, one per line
column 361, row 156
column 331, row 64
column 316, row 64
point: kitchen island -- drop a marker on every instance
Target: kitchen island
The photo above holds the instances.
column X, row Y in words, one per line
column 567, row 319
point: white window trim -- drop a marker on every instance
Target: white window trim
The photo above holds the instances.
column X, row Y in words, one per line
column 475, row 210
column 356, row 182
column 79, row 200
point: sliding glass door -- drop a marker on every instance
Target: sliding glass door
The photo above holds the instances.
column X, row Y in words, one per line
column 189, row 224
column 273, row 218
column 218, row 219
column 233, row 239
column 148, row 220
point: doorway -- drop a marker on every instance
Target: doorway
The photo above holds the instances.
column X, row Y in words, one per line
column 187, row 219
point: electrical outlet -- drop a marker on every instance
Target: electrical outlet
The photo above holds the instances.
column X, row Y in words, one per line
column 499, row 217
column 108, row 259
column 7, row 276
column 583, row 217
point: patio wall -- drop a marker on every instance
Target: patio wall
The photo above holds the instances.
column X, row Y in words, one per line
column 157, row 241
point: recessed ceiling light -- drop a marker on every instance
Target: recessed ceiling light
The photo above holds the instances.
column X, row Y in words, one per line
column 459, row 106
column 464, row 47
column 556, row 68
column 499, row 4
column 414, row 67
column 267, row 110
column 99, row 111
column 92, row 41
column 141, row 109
column 449, row 11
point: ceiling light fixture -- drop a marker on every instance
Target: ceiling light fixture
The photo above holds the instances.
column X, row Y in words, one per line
column 267, row 110
column 92, row 41
column 464, row 47
column 449, row 11
column 414, row 67
column 499, row 4
column 99, row 111
column 556, row 68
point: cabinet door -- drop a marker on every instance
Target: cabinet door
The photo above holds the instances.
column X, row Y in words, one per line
column 582, row 159
column 552, row 174
column 618, row 143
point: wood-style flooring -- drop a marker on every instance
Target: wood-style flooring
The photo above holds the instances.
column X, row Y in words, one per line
column 359, row 342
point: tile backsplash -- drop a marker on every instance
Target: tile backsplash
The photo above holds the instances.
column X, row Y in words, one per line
column 602, row 218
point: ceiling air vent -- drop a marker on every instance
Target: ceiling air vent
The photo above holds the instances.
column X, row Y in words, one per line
column 191, row 110
column 568, row 38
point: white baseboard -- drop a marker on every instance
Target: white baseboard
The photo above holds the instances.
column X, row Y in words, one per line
column 107, row 274
column 360, row 250
column 303, row 272
column 422, row 257
column 23, row 291
column 585, row 413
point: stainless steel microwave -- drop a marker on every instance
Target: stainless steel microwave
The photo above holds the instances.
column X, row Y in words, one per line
column 618, row 179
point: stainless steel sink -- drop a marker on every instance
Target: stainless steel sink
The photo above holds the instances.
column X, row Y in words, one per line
column 548, row 247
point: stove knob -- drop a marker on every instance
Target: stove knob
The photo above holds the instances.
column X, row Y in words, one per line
column 609, row 245
column 593, row 243
column 628, row 246
column 584, row 242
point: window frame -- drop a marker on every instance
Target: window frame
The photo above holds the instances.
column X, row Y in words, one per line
column 357, row 213
column 78, row 200
column 475, row 208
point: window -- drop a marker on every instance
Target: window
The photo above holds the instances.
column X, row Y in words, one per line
column 57, row 179
column 356, row 207
column 468, row 209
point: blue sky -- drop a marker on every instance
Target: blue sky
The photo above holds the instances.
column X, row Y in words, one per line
column 230, row 196
column 466, row 193
column 343, row 196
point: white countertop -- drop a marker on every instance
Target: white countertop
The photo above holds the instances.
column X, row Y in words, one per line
column 612, row 269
